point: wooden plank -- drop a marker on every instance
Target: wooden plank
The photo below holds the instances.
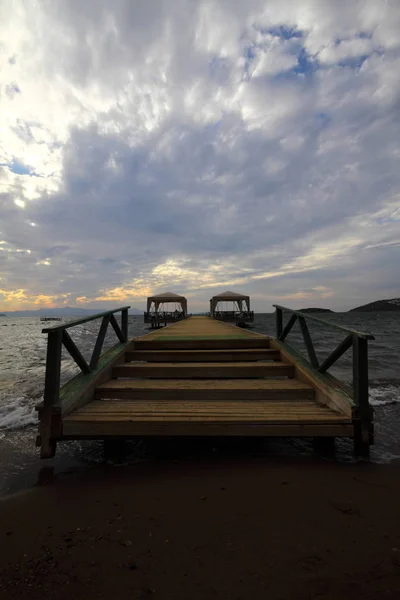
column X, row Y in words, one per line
column 327, row 390
column 273, row 420
column 80, row 389
column 133, row 407
column 214, row 389
column 209, row 385
column 329, row 324
column 247, row 354
column 308, row 343
column 124, row 324
column 74, row 351
column 336, row 354
column 99, row 342
column 114, row 324
column 204, row 370
column 288, row 327
column 51, row 394
column 83, row 320
column 363, row 412
column 107, row 405
column 150, row 394
column 82, row 430
column 202, row 344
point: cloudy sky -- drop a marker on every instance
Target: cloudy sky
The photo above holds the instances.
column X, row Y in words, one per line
column 198, row 146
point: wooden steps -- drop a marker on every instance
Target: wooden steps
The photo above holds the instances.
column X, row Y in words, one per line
column 305, row 411
column 196, row 370
column 205, row 389
column 203, row 378
column 209, row 355
column 197, row 343
column 107, row 417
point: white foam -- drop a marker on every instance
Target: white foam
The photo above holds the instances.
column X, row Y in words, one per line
column 16, row 412
column 384, row 394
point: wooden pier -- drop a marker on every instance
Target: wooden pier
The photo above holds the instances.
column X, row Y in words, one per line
column 202, row 377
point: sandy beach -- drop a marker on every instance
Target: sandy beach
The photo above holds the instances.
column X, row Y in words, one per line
column 210, row 528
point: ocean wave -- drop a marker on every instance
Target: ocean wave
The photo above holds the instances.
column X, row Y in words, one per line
column 17, row 412
column 382, row 393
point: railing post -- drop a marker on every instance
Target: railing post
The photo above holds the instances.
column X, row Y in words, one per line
column 308, row 343
column 363, row 428
column 279, row 322
column 51, row 392
column 124, row 323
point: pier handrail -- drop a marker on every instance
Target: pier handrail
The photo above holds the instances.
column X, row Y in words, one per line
column 361, row 334
column 85, row 319
column 355, row 339
column 59, row 337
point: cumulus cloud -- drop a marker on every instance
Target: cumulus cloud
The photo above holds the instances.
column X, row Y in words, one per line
column 199, row 146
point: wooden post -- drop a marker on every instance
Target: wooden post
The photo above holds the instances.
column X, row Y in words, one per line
column 124, row 323
column 51, row 392
column 279, row 322
column 99, row 342
column 74, row 352
column 308, row 343
column 363, row 412
column 288, row 327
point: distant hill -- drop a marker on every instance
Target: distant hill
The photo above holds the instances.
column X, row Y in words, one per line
column 2, row 315
column 316, row 310
column 379, row 305
column 67, row 311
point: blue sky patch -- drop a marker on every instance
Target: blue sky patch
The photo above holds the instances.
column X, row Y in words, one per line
column 283, row 31
column 19, row 168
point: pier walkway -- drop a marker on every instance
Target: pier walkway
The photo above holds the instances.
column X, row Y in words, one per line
column 197, row 377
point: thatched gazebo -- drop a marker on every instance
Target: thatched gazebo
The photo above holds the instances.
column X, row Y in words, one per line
column 238, row 309
column 158, row 313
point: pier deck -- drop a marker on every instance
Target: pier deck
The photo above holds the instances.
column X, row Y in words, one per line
column 198, row 377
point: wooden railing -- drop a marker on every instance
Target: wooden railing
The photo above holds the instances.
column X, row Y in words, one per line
column 356, row 340
column 58, row 337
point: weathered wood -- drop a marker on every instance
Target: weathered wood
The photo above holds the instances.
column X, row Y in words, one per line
column 75, row 352
column 99, row 342
column 336, row 354
column 124, row 324
column 204, row 370
column 279, row 322
column 363, row 432
column 80, row 389
column 242, row 393
column 214, row 389
column 208, row 343
column 210, row 356
column 308, row 342
column 328, row 390
column 288, row 327
column 330, row 324
column 51, row 393
column 117, row 329
column 84, row 430
column 83, row 320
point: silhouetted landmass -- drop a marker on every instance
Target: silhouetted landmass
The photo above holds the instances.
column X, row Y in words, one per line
column 66, row 311
column 2, row 315
column 379, row 305
column 316, row 310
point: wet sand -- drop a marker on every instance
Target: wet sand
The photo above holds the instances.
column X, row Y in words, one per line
column 213, row 529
